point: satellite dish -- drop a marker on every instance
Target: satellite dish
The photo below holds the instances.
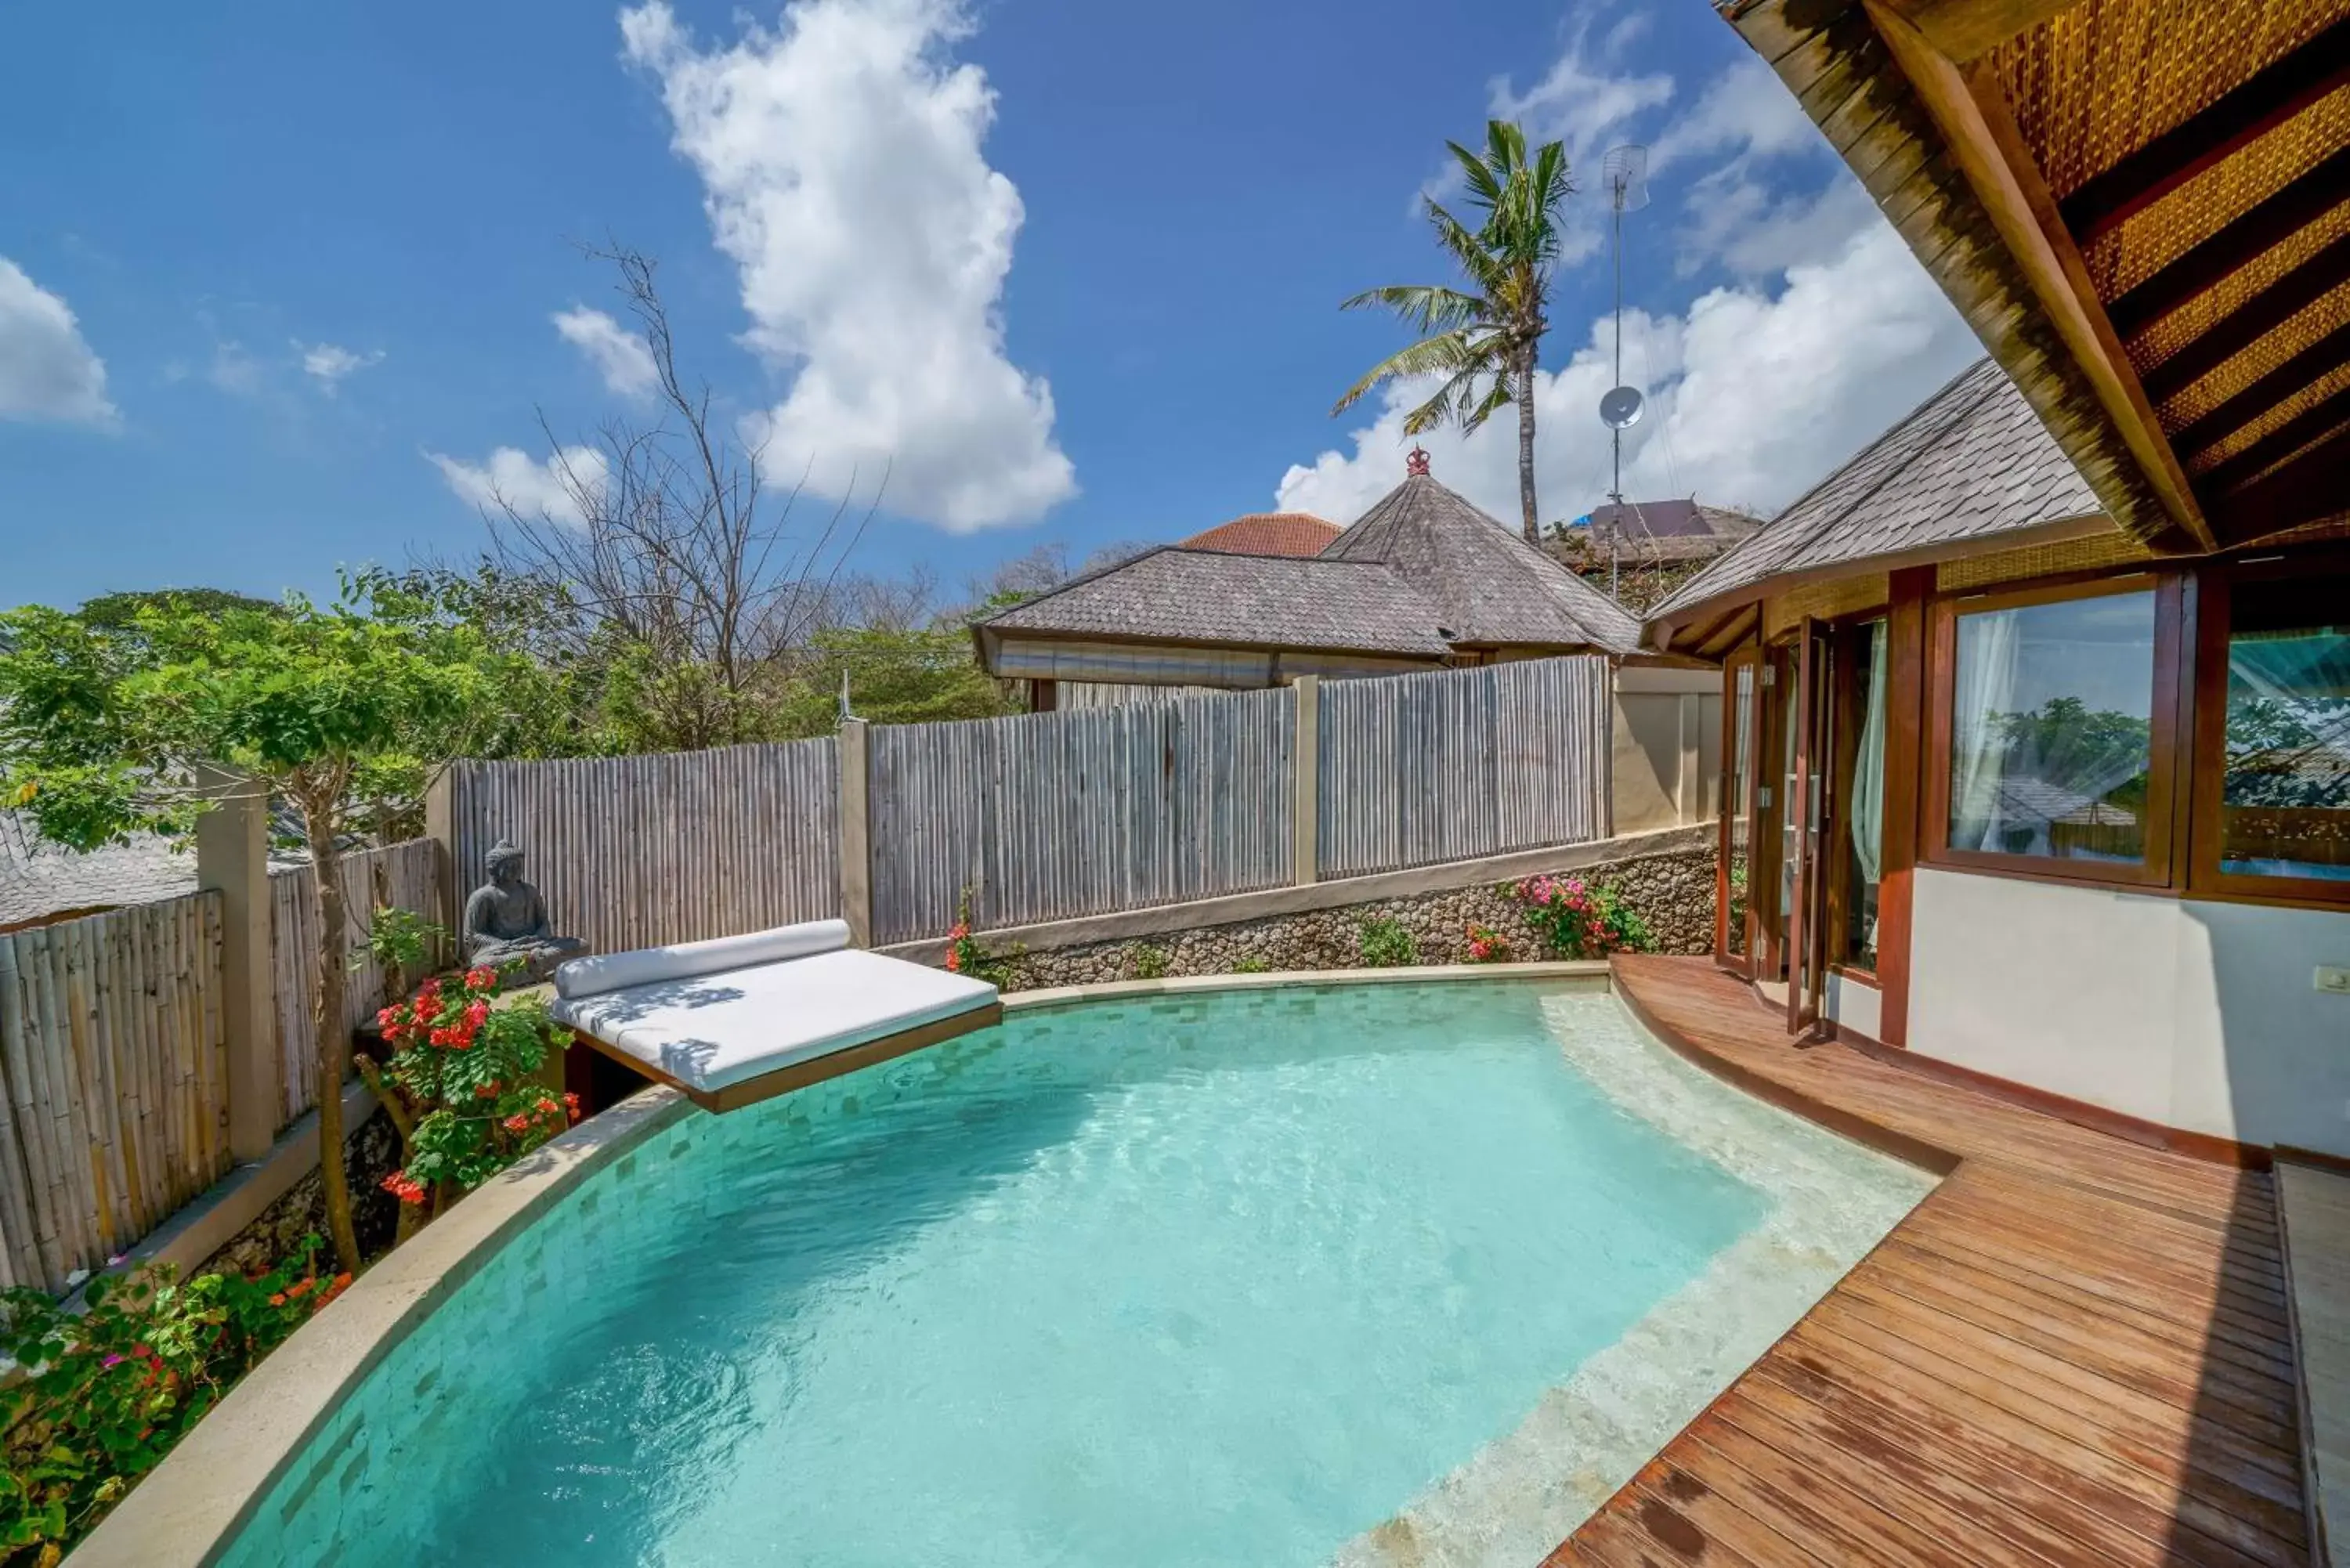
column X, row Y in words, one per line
column 1620, row 408
column 1626, row 171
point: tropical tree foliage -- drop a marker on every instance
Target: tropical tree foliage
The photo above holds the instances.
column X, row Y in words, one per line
column 344, row 712
column 1482, row 342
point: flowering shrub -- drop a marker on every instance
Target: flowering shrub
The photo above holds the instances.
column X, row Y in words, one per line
column 113, row 1388
column 965, row 955
column 1487, row 945
column 459, row 1088
column 1579, row 921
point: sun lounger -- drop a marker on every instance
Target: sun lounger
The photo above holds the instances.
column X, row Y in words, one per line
column 738, row 1019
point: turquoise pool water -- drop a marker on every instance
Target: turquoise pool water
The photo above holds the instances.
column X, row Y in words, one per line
column 1224, row 1279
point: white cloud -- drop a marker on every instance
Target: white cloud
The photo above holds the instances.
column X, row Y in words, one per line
column 619, row 356
column 1753, row 396
column 1746, row 109
column 841, row 165
column 534, row 488
column 47, row 369
column 234, row 369
column 329, row 363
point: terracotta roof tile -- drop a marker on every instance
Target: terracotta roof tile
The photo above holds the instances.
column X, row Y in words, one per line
column 1266, row 534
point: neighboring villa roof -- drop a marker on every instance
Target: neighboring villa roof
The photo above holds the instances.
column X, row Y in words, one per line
column 1678, row 529
column 1266, row 534
column 1177, row 594
column 1420, row 573
column 1491, row 588
column 1971, row 463
column 38, row 878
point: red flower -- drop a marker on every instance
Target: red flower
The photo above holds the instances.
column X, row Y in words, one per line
column 301, row 1288
column 278, row 1299
column 475, row 1016
column 518, row 1123
column 954, row 961
column 571, row 1106
column 399, row 1185
column 488, row 1091
column 481, row 978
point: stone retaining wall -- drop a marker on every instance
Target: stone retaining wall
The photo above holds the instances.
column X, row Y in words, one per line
column 1674, row 892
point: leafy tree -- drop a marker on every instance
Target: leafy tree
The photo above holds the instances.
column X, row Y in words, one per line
column 116, row 612
column 912, row 677
column 344, row 712
column 1484, row 340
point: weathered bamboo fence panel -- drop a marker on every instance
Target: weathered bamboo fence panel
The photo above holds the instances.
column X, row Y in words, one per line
column 412, row 879
column 115, row 1071
column 1052, row 816
column 633, row 852
column 1453, row 765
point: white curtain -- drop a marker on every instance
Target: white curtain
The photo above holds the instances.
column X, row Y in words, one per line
column 1868, row 767
column 1984, row 690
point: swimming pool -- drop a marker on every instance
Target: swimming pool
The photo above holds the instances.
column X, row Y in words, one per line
column 1282, row 1275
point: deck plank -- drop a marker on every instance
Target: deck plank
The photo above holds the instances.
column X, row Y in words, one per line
column 2074, row 1350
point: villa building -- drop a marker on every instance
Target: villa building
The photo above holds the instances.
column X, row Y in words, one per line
column 2037, row 717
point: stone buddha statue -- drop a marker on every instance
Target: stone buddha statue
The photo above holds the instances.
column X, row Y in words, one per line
column 507, row 925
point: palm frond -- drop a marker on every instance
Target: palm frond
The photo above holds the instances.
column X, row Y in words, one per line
column 1502, row 393
column 1424, row 307
column 1453, row 354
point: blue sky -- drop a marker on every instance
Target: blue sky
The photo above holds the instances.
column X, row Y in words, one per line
column 1072, row 269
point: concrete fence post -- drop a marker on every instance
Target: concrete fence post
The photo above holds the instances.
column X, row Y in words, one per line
column 233, row 856
column 855, row 831
column 1305, row 801
column 441, row 827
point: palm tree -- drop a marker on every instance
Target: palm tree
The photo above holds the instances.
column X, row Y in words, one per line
column 1486, row 337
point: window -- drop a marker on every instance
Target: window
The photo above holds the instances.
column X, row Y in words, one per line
column 1862, row 784
column 2054, row 731
column 2282, row 810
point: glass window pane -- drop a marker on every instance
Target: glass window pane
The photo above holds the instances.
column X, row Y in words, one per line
column 1741, row 800
column 1865, row 841
column 2052, row 739
column 2285, row 798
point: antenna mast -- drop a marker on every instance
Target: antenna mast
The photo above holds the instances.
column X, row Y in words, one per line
column 1625, row 169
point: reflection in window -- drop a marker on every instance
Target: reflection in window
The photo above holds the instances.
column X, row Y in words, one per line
column 2285, row 801
column 2052, row 732
column 1866, row 842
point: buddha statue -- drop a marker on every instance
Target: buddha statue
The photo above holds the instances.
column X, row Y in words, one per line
column 507, row 925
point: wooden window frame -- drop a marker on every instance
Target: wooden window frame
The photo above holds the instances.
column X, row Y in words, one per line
column 2164, row 797
column 2206, row 759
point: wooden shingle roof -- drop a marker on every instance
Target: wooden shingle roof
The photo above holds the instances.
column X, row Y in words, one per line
column 1214, row 598
column 1971, row 462
column 1492, row 588
column 1267, row 533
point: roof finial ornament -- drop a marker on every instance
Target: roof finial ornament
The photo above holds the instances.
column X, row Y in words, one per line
column 1415, row 462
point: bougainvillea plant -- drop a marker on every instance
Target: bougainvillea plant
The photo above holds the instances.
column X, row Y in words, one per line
column 967, row 955
column 1487, row 945
column 460, row 1088
column 1577, row 920
column 109, row 1389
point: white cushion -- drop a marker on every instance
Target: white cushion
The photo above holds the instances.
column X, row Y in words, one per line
column 681, row 960
column 717, row 1027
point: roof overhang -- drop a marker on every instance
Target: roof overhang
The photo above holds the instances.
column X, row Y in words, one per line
column 2142, row 207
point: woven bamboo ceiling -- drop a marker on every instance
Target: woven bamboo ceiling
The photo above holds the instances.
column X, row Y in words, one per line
column 2142, row 206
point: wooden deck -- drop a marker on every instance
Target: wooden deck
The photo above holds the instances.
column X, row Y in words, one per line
column 2075, row 1351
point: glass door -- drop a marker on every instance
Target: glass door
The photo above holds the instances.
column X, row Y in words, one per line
column 1733, row 934
column 1811, row 738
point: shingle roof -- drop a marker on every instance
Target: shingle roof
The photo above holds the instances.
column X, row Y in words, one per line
column 1972, row 461
column 1256, row 601
column 38, row 878
column 1674, row 518
column 1490, row 587
column 1266, row 534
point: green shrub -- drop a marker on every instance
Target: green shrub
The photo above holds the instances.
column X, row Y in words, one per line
column 1252, row 965
column 114, row 1387
column 1387, row 944
column 1149, row 963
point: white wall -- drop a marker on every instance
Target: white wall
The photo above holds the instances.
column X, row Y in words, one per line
column 2198, row 1015
column 1667, row 766
column 1857, row 1004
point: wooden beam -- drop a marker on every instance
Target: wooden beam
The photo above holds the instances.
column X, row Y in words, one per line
column 1963, row 29
column 2288, row 438
column 2330, row 352
column 2278, row 218
column 2312, row 486
column 1968, row 108
column 2255, row 318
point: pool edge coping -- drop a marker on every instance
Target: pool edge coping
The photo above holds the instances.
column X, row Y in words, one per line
column 189, row 1510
